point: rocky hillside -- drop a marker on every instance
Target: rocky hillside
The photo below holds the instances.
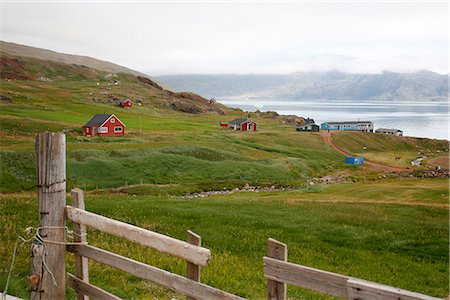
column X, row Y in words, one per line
column 89, row 80
column 419, row 86
column 43, row 54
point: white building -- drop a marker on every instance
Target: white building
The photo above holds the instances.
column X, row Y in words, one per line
column 396, row 132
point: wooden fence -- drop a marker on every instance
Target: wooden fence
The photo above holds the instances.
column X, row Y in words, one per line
column 280, row 272
column 48, row 273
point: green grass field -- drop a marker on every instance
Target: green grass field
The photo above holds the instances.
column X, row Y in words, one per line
column 396, row 235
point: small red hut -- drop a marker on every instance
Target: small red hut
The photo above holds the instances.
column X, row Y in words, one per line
column 104, row 125
column 125, row 103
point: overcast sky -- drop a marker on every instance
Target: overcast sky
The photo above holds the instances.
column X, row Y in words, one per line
column 218, row 37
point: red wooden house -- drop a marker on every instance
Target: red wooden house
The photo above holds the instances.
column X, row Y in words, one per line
column 125, row 103
column 241, row 124
column 104, row 125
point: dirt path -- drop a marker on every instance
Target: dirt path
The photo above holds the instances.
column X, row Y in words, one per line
column 326, row 135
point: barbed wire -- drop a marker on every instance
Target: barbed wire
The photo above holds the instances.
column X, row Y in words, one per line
column 40, row 240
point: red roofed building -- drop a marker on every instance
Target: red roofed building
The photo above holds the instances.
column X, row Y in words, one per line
column 241, row 124
column 125, row 103
column 104, row 125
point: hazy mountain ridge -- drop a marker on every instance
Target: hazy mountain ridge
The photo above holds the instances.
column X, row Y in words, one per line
column 422, row 85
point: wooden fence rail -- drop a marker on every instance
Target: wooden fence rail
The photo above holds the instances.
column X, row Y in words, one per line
column 85, row 289
column 192, row 253
column 164, row 278
column 280, row 271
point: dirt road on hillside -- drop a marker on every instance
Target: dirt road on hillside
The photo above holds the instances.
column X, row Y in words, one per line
column 326, row 135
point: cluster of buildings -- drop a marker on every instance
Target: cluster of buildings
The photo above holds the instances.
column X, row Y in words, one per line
column 110, row 125
column 364, row 126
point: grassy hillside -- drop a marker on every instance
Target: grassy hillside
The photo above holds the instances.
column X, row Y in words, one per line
column 171, row 138
column 396, row 235
column 8, row 49
column 392, row 150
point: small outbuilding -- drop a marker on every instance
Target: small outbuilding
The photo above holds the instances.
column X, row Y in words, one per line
column 309, row 127
column 104, row 125
column 358, row 160
column 396, row 132
column 124, row 103
column 309, row 121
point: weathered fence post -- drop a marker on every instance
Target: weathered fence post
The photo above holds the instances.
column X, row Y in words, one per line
column 193, row 270
column 276, row 290
column 79, row 235
column 48, row 269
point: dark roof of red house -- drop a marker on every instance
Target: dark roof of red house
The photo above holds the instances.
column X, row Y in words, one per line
column 97, row 119
column 237, row 121
column 123, row 100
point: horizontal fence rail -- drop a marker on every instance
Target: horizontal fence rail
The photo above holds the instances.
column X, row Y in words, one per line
column 88, row 289
column 361, row 289
column 281, row 271
column 314, row 279
column 194, row 254
column 164, row 278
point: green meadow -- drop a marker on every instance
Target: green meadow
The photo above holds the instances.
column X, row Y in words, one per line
column 391, row 231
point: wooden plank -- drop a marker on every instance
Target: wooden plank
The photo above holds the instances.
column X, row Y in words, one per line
column 85, row 288
column 276, row 289
column 160, row 242
column 361, row 289
column 193, row 270
column 314, row 279
column 49, row 282
column 174, row 282
column 79, row 232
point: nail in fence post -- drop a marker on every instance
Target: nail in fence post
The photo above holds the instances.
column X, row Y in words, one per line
column 49, row 259
column 193, row 270
column 276, row 290
column 79, row 230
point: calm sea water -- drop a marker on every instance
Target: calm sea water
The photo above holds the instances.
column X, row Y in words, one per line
column 419, row 119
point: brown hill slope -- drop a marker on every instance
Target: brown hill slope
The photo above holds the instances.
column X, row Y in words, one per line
column 80, row 82
column 44, row 54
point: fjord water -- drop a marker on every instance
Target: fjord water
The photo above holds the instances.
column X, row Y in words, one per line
column 419, row 119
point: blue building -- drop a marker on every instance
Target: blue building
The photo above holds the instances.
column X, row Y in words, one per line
column 366, row 126
column 359, row 160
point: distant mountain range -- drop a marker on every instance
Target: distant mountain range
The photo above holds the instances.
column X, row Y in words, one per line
column 388, row 86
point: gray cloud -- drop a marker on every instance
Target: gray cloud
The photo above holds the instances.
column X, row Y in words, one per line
column 168, row 38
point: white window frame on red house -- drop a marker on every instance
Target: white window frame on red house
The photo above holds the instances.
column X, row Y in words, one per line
column 103, row 130
column 118, row 129
column 113, row 120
